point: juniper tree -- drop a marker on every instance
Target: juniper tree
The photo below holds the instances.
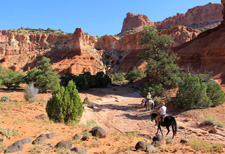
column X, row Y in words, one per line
column 65, row 104
column 161, row 67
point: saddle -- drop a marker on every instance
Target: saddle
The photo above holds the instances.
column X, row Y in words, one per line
column 163, row 117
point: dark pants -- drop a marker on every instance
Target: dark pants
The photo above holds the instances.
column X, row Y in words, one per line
column 146, row 102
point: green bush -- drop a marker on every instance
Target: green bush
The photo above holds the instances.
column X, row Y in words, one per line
column 117, row 77
column 135, row 74
column 45, row 78
column 192, row 93
column 86, row 80
column 11, row 79
column 215, row 94
column 5, row 98
column 65, row 104
column 152, row 87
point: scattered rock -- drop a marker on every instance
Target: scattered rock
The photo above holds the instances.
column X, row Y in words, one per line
column 50, row 135
column 141, row 145
column 15, row 147
column 183, row 141
column 40, row 140
column 79, row 150
column 64, row 144
column 158, row 138
column 76, row 136
column 25, row 141
column 99, row 132
column 90, row 105
column 213, row 130
column 169, row 141
column 85, row 138
column 181, row 127
column 152, row 149
column 156, row 143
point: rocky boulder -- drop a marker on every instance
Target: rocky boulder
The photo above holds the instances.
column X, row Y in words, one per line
column 99, row 132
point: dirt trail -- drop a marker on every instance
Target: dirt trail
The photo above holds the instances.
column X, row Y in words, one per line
column 124, row 113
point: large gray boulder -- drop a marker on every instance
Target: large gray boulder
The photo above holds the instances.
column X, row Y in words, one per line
column 98, row 132
column 40, row 140
column 15, row 147
column 64, row 144
column 79, row 150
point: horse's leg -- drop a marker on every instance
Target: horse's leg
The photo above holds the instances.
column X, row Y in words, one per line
column 160, row 130
column 167, row 127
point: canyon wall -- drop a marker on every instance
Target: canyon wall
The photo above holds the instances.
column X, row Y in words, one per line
column 201, row 17
column 205, row 53
column 78, row 52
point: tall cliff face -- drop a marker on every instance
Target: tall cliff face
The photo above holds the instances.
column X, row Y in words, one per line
column 207, row 16
column 21, row 51
column 206, row 52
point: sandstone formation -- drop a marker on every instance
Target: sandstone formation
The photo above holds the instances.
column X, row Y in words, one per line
column 206, row 52
column 181, row 34
column 207, row 16
column 78, row 52
column 136, row 22
column 201, row 17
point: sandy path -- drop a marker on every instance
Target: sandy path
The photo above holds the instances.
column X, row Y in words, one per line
column 124, row 113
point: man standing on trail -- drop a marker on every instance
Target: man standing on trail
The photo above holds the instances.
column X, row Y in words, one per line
column 162, row 111
column 149, row 97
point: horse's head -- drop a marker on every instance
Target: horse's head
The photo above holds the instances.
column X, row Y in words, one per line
column 143, row 101
column 153, row 116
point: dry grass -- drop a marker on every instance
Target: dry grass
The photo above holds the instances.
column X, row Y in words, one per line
column 200, row 145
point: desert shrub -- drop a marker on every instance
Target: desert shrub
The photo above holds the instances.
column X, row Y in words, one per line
column 5, row 98
column 152, row 87
column 86, row 100
column 211, row 121
column 101, row 80
column 117, row 77
column 30, row 92
column 45, row 78
column 201, row 145
column 197, row 91
column 192, row 93
column 215, row 94
column 86, row 80
column 11, row 79
column 65, row 104
column 134, row 74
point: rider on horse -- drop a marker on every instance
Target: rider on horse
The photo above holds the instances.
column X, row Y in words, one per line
column 162, row 111
column 149, row 97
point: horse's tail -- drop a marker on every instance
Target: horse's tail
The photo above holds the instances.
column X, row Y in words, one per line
column 174, row 126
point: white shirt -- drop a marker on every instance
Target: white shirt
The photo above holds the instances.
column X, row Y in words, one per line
column 149, row 97
column 162, row 110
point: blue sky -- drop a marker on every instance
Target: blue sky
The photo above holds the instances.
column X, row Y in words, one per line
column 95, row 17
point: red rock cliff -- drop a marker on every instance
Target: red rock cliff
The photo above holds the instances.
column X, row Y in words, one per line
column 206, row 52
column 132, row 22
column 207, row 16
